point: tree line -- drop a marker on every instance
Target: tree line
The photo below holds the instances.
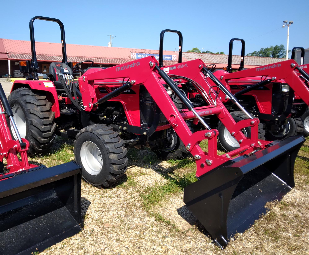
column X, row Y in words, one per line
column 277, row 51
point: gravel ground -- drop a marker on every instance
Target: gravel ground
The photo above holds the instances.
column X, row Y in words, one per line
column 6, row 85
column 115, row 222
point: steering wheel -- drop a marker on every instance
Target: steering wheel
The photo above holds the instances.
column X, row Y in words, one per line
column 78, row 66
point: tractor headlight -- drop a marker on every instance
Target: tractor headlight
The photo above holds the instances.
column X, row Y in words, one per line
column 285, row 88
column 169, row 92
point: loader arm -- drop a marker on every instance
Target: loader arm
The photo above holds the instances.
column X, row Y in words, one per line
column 288, row 70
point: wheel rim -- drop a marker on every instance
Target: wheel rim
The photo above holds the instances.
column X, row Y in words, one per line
column 230, row 140
column 91, row 158
column 306, row 123
column 20, row 120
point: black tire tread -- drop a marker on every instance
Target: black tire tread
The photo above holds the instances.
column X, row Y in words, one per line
column 299, row 126
column 117, row 153
column 303, row 117
column 40, row 118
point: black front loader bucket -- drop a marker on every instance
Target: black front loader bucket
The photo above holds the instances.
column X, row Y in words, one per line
column 39, row 208
column 228, row 199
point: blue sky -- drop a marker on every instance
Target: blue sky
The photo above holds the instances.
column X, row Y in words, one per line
column 208, row 25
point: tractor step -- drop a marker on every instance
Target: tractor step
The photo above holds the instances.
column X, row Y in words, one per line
column 39, row 207
column 228, row 199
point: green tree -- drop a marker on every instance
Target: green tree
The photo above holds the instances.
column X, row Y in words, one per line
column 277, row 51
column 197, row 50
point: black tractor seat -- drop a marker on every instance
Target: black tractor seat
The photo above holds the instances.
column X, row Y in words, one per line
column 55, row 69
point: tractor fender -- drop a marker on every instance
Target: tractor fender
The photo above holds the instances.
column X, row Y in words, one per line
column 42, row 85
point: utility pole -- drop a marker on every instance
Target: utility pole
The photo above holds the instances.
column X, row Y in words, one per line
column 287, row 24
column 111, row 37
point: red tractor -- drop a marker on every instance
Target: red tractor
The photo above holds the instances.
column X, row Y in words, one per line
column 298, row 120
column 274, row 93
column 268, row 98
column 39, row 206
column 137, row 102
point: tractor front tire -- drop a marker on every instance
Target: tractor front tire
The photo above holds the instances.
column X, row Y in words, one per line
column 101, row 154
column 34, row 118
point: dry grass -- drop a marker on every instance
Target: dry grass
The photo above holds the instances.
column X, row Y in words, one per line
column 145, row 214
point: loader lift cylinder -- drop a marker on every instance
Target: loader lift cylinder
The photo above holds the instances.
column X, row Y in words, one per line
column 181, row 96
column 302, row 72
column 252, row 87
column 226, row 91
column 114, row 93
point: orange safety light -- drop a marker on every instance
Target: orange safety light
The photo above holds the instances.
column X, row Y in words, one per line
column 23, row 63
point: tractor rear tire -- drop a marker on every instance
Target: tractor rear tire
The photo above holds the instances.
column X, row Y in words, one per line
column 227, row 142
column 101, row 154
column 34, row 118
